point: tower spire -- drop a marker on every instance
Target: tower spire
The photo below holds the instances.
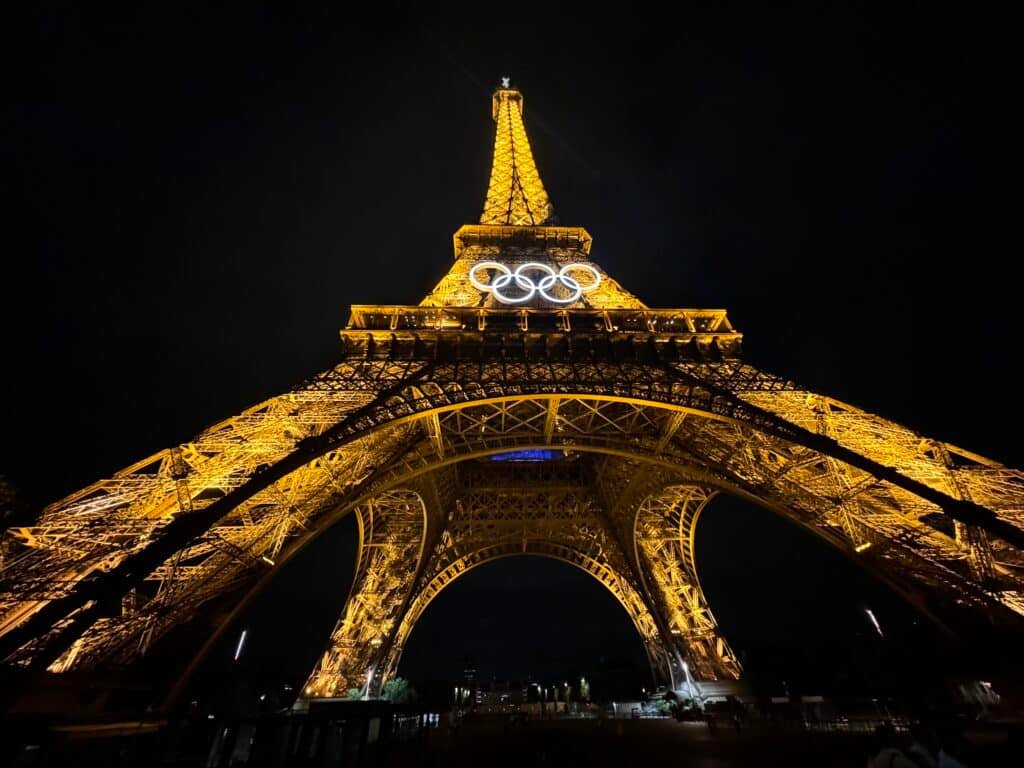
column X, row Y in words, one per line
column 515, row 194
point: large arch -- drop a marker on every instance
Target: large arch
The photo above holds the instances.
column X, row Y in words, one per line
column 615, row 583
column 499, row 510
column 521, row 615
column 837, row 487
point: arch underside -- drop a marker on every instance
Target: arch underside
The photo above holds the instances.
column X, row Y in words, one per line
column 366, row 429
column 558, row 509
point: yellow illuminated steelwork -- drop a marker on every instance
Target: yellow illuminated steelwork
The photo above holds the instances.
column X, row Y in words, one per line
column 516, row 194
column 648, row 413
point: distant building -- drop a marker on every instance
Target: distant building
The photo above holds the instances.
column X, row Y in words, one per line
column 469, row 683
column 502, row 694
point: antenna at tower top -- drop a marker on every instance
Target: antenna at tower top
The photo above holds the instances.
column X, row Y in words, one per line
column 506, row 82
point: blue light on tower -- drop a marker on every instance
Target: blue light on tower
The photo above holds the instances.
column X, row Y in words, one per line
column 530, row 454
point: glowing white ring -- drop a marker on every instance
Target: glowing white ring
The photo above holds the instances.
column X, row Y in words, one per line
column 506, row 277
column 503, row 280
column 486, row 265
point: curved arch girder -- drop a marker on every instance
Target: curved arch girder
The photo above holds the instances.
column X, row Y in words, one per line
column 614, row 581
column 200, row 520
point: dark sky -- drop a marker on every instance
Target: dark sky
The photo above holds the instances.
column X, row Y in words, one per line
column 197, row 196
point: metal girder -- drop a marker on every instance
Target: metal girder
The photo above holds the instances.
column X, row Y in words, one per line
column 664, row 528
column 551, row 422
column 392, row 533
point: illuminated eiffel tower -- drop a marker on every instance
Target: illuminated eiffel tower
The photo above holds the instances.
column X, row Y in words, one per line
column 528, row 405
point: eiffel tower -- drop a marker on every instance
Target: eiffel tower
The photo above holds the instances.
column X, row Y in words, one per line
column 528, row 405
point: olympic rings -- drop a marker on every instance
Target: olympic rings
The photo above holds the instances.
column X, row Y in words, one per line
column 506, row 277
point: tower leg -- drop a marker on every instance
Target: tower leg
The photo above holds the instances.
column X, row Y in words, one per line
column 392, row 527
column 663, row 538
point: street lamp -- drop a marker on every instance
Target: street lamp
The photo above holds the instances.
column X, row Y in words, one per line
column 868, row 611
column 241, row 643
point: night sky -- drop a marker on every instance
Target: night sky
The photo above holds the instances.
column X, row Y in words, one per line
column 196, row 198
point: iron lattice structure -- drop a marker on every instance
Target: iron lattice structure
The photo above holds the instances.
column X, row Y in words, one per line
column 640, row 416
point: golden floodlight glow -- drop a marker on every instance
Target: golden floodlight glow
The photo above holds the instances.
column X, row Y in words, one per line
column 515, row 194
column 529, row 405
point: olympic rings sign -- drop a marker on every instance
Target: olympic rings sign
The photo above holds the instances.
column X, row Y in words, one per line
column 505, row 277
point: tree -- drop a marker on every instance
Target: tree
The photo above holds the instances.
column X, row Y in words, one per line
column 584, row 689
column 687, row 709
column 661, row 706
column 398, row 690
column 354, row 693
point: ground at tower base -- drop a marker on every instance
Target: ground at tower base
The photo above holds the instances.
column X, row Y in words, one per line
column 373, row 734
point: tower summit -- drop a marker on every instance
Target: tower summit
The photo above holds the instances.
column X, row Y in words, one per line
column 515, row 194
column 517, row 258
column 528, row 405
